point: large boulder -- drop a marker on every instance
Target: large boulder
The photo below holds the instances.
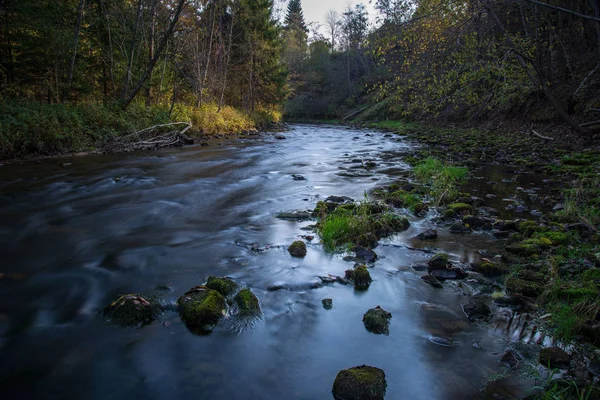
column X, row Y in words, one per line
column 202, row 308
column 225, row 286
column 247, row 302
column 377, row 320
column 429, row 234
column 131, row 311
column 360, row 383
column 364, row 254
column 297, row 249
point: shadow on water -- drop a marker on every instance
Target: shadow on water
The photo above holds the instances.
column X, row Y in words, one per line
column 74, row 236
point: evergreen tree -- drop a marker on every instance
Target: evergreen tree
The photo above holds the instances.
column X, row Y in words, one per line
column 294, row 18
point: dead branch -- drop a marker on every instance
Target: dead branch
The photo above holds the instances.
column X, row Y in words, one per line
column 540, row 136
column 153, row 137
column 591, row 123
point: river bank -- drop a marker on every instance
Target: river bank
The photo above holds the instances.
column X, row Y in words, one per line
column 33, row 129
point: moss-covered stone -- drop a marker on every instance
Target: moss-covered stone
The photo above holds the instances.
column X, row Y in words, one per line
column 526, row 288
column 554, row 238
column 461, row 208
column 247, row 302
column 490, row 269
column 297, row 249
column 368, row 240
column 202, row 308
column 377, row 320
column 132, row 311
column 439, row 261
column 225, row 286
column 362, row 277
column 360, row 383
column 523, row 249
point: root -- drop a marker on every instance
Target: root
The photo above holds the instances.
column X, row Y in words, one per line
column 151, row 138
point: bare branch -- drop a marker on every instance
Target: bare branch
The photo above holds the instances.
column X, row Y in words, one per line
column 565, row 10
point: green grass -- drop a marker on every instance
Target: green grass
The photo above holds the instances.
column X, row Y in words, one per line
column 444, row 179
column 400, row 127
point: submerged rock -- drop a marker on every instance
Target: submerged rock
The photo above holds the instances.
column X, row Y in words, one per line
column 449, row 273
column 247, row 302
column 459, row 228
column 429, row 234
column 131, row 311
column 432, row 280
column 364, row 254
column 360, row 383
column 477, row 310
column 377, row 320
column 490, row 269
column 225, row 286
column 297, row 249
column 294, row 215
column 555, row 357
column 202, row 308
column 526, row 288
column 327, row 304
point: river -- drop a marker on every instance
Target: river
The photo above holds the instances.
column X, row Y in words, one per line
column 77, row 232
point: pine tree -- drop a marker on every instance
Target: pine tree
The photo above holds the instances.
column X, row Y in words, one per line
column 294, row 18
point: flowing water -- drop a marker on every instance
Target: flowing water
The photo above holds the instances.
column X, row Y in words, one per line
column 76, row 233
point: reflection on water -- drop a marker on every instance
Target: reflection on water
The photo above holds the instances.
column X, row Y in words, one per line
column 72, row 238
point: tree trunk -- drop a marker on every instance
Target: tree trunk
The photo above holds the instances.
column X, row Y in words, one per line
column 228, row 58
column 159, row 51
column 210, row 42
column 75, row 45
column 131, row 49
column 151, row 50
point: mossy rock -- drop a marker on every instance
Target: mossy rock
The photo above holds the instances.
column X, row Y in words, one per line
column 439, row 261
column 132, row 311
column 461, row 208
column 368, row 240
column 449, row 213
column 225, row 286
column 297, row 249
column 490, row 269
column 377, row 320
column 247, row 302
column 526, row 288
column 360, row 383
column 202, row 308
column 555, row 238
column 362, row 277
column 523, row 249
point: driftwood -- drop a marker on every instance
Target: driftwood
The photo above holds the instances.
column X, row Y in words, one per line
column 154, row 137
column 540, row 136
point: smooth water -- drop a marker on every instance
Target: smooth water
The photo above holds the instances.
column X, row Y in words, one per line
column 74, row 237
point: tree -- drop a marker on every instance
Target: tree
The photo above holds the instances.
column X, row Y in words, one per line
column 334, row 23
column 294, row 18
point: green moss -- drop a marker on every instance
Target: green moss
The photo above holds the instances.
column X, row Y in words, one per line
column 448, row 213
column 377, row 320
column 225, row 286
column 131, row 311
column 526, row 288
column 247, row 302
column 489, row 269
column 297, row 249
column 461, row 208
column 555, row 238
column 202, row 308
column 523, row 249
column 362, row 277
column 362, row 382
column 438, row 261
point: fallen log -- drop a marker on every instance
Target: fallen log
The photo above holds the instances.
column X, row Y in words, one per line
column 151, row 138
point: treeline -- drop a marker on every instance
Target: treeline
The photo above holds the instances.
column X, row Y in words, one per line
column 465, row 60
column 164, row 51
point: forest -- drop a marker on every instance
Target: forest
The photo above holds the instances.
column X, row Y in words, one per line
column 228, row 65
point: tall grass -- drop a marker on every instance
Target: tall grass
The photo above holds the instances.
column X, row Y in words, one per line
column 444, row 179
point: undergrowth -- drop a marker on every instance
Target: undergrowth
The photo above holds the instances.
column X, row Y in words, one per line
column 444, row 179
